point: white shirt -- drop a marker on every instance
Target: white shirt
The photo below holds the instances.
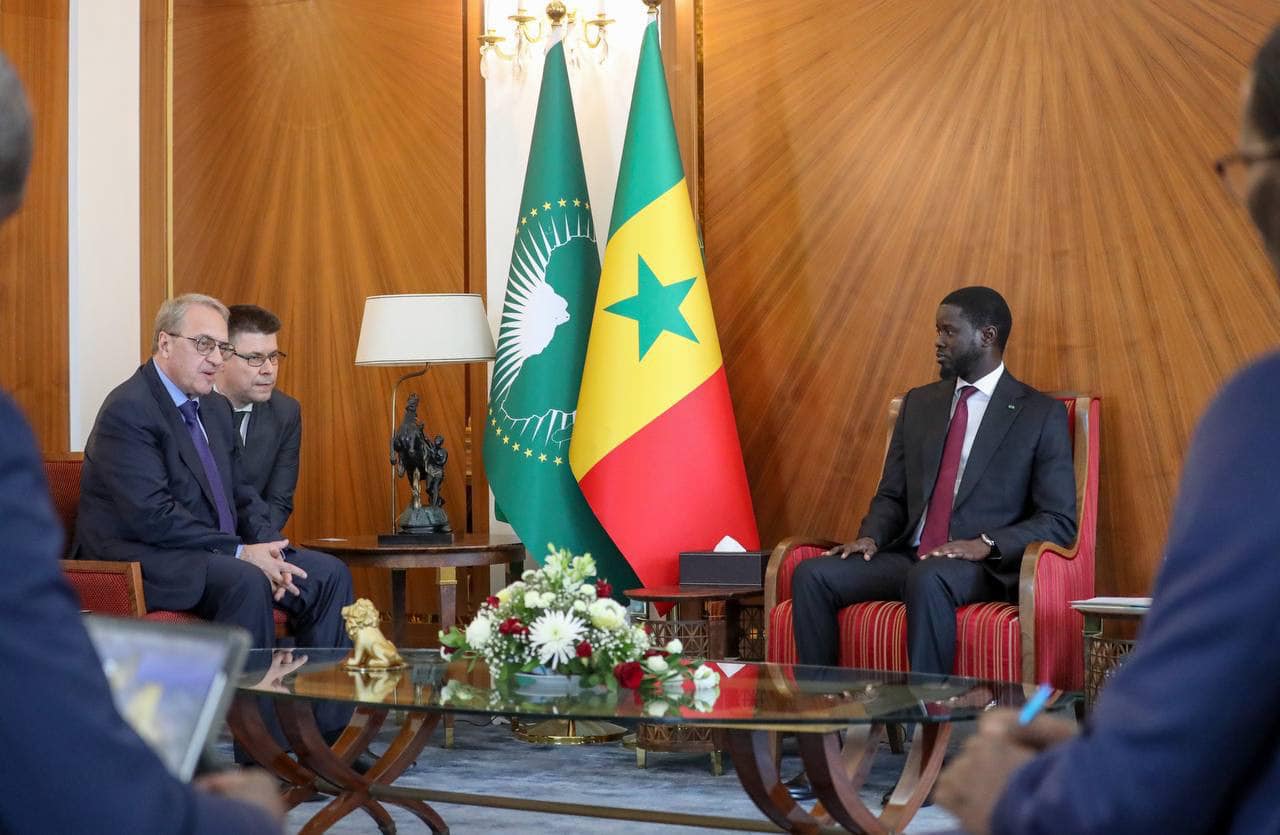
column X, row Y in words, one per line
column 248, row 410
column 977, row 404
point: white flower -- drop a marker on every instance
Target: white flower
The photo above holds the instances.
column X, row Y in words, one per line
column 704, row 677
column 584, row 566
column 450, row 690
column 527, row 575
column 675, row 647
column 532, row 600
column 656, row 664
column 579, row 606
column 587, row 590
column 656, row 708
column 547, row 599
column 554, row 636
column 504, row 595
column 479, row 631
column 704, row 699
column 607, row 614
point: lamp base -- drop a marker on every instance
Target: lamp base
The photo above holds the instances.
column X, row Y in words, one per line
column 415, row 539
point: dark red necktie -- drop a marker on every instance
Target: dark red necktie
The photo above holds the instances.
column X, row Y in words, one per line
column 937, row 521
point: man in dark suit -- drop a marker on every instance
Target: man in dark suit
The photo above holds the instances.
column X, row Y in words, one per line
column 161, row 485
column 1186, row 736
column 268, row 421
column 71, row 762
column 979, row 466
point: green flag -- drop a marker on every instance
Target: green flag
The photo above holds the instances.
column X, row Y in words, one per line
column 542, row 339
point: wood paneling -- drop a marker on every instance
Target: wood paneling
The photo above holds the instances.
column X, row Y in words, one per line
column 318, row 160
column 154, row 136
column 33, row 243
column 863, row 158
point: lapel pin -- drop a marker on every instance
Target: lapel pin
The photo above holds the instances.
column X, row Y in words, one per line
column 1012, row 407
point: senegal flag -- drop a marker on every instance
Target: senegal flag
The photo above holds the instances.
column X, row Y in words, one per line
column 655, row 448
column 542, row 338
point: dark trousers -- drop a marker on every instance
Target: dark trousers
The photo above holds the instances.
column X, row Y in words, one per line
column 932, row 589
column 238, row 592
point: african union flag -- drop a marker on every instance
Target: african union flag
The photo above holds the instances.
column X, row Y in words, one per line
column 655, row 449
column 542, row 338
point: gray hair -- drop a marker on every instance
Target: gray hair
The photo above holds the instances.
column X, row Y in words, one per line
column 15, row 139
column 173, row 311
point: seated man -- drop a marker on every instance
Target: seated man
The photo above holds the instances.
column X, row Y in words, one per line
column 73, row 764
column 978, row 467
column 161, row 486
column 269, row 422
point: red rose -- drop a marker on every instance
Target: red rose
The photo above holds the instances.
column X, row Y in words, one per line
column 603, row 589
column 585, row 649
column 629, row 674
column 649, row 653
column 512, row 626
column 493, row 601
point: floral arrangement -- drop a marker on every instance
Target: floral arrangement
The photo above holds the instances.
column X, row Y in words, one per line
column 560, row 619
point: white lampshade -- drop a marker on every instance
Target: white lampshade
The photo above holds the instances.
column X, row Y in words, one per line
column 420, row 328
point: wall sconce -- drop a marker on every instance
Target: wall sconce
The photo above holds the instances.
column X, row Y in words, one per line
column 527, row 29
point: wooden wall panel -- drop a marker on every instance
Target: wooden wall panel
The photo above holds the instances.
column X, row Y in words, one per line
column 33, row 243
column 318, row 160
column 864, row 158
column 155, row 163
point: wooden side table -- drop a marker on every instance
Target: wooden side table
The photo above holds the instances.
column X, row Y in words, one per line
column 702, row 634
column 1103, row 656
column 466, row 551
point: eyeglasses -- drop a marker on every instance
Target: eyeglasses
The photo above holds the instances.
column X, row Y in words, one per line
column 257, row 360
column 205, row 345
column 1234, row 169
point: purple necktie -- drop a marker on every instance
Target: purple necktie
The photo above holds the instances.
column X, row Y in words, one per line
column 191, row 416
column 937, row 521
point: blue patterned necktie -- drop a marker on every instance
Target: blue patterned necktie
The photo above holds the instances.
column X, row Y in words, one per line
column 191, row 416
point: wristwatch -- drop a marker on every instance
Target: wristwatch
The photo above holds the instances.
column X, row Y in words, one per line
column 990, row 543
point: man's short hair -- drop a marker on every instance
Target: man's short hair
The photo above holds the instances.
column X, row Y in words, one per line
column 15, row 139
column 982, row 306
column 1264, row 101
column 249, row 318
column 170, row 315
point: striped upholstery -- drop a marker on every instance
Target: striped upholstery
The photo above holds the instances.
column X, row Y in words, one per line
column 988, row 635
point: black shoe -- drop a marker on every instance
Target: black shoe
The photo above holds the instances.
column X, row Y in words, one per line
column 799, row 788
column 884, row 798
column 364, row 762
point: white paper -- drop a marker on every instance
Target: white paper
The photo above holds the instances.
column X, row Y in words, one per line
column 729, row 544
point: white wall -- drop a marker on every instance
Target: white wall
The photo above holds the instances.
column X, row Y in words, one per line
column 103, row 203
column 601, row 100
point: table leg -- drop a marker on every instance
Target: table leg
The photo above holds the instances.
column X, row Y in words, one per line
column 732, row 629
column 398, row 617
column 298, row 721
column 448, row 585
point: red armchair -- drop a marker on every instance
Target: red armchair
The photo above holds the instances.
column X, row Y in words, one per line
column 104, row 586
column 1038, row 639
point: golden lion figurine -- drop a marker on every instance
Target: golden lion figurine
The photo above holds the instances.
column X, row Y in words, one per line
column 372, row 650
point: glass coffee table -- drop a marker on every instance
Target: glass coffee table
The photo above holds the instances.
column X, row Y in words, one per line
column 838, row 716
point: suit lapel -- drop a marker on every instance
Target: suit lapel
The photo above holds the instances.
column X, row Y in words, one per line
column 937, row 417
column 186, row 448
column 1002, row 411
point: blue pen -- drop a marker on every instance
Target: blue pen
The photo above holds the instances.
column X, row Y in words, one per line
column 1035, row 704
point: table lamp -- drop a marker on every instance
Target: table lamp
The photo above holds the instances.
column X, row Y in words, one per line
column 421, row 329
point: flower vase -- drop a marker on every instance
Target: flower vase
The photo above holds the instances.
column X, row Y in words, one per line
column 546, row 682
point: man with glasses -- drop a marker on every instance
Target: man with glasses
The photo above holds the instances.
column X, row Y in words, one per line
column 268, row 421
column 1186, row 736
column 162, row 486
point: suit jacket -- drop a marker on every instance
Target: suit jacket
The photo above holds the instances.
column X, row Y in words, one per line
column 55, row 703
column 144, row 495
column 270, row 453
column 1184, row 736
column 1018, row 484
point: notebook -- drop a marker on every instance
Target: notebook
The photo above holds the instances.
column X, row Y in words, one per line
column 172, row 682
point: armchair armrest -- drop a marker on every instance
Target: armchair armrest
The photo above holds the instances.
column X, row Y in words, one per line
column 107, row 587
column 1051, row 577
column 782, row 563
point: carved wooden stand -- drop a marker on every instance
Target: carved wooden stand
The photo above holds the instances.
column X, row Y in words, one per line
column 321, row 768
column 837, row 771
